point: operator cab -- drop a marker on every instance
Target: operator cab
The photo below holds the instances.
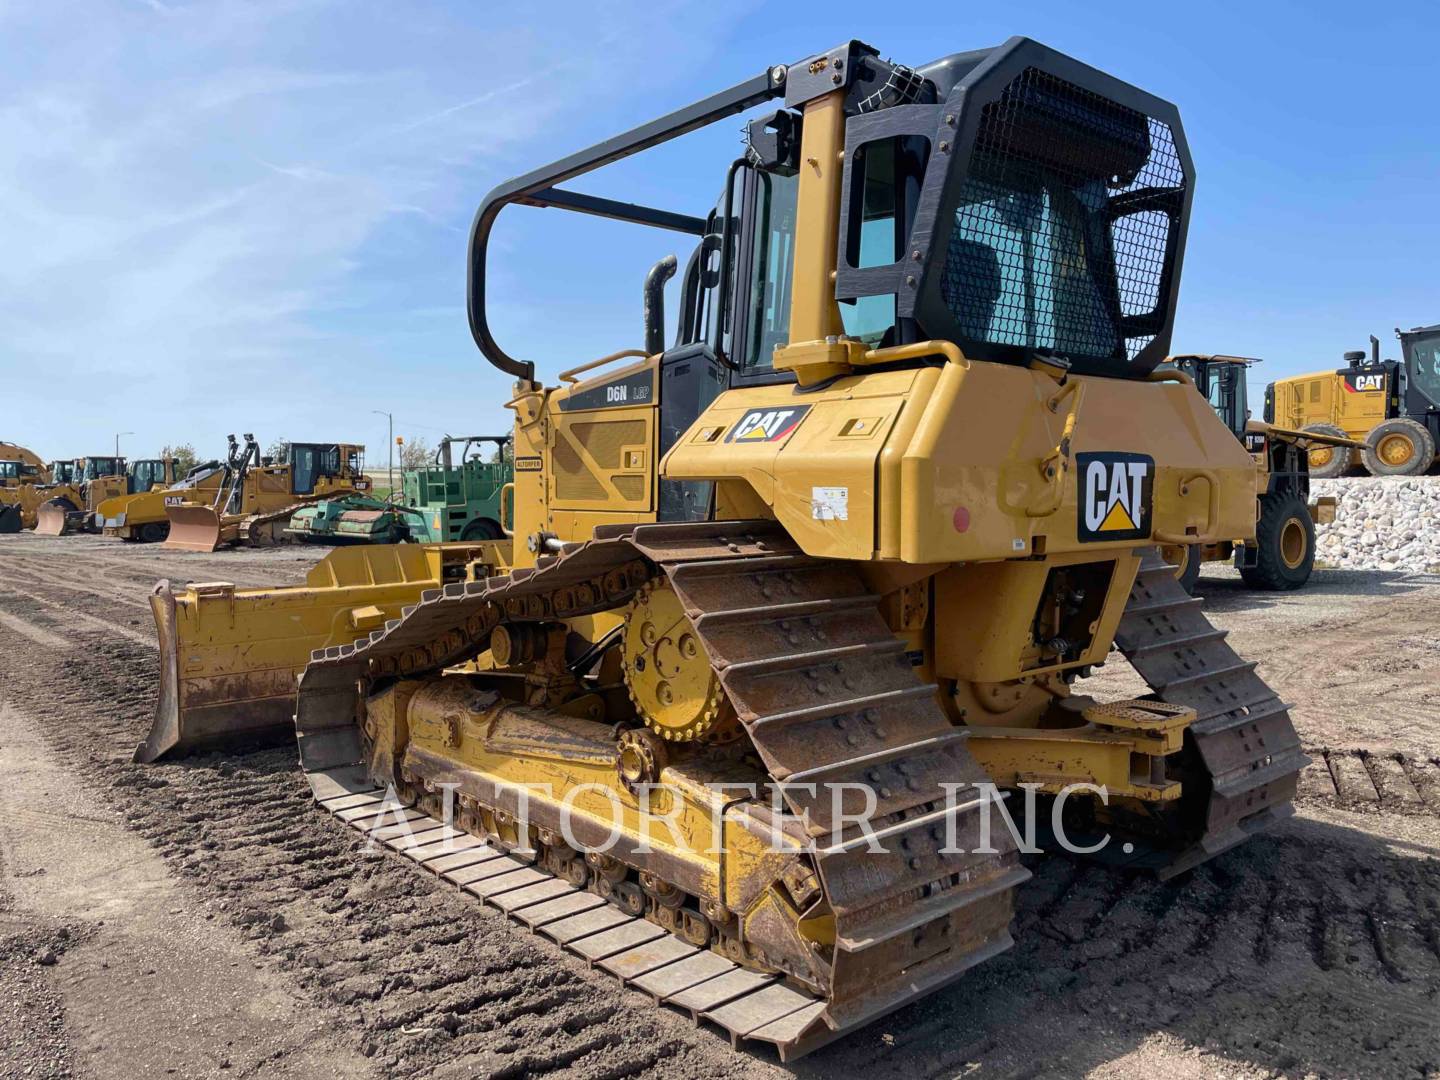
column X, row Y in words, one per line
column 98, row 467
column 1221, row 381
column 1420, row 349
column 144, row 475
column 309, row 462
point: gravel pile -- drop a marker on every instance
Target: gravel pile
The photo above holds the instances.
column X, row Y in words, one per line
column 1381, row 523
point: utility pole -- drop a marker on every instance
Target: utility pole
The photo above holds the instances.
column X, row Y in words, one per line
column 117, row 440
column 390, row 468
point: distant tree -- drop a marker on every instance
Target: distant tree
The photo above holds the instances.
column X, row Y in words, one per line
column 279, row 450
column 416, row 454
column 184, row 457
column 505, row 452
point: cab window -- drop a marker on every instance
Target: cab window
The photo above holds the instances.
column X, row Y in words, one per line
column 771, row 263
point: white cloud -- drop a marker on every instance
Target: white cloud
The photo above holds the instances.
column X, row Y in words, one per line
column 191, row 195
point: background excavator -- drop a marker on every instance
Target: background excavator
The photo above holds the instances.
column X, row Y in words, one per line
column 97, row 479
column 256, row 498
column 839, row 548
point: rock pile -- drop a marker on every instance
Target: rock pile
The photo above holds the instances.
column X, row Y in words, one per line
column 1381, row 523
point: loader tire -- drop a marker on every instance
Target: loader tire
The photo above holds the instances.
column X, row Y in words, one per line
column 481, row 529
column 1398, row 448
column 1284, row 545
column 1186, row 558
column 153, row 532
column 1327, row 462
column 10, row 519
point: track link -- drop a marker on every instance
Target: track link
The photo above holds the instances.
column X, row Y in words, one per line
column 1244, row 755
column 827, row 697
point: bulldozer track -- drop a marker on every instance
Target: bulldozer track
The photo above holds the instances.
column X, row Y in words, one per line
column 1245, row 756
column 826, row 695
column 252, row 528
column 1248, row 957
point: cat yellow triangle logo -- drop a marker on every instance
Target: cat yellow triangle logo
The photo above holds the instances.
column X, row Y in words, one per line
column 1114, row 499
column 1116, row 519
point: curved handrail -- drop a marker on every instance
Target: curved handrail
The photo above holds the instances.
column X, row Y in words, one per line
column 538, row 188
column 570, row 375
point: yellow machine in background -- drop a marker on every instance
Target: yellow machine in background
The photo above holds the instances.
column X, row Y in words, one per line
column 1281, row 554
column 840, row 549
column 96, row 480
column 1391, row 407
column 140, row 517
column 257, row 498
column 21, row 470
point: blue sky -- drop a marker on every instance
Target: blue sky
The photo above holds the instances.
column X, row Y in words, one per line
column 224, row 216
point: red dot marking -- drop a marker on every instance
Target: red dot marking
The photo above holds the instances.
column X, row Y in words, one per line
column 961, row 519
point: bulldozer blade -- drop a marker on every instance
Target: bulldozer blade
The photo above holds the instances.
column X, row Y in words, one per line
column 10, row 519
column 193, row 528
column 52, row 520
column 242, row 649
column 253, row 708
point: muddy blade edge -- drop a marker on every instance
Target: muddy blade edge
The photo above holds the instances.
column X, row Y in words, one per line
column 239, row 717
column 193, row 528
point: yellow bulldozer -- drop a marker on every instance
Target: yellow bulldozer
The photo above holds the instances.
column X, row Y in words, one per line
column 140, row 517
column 814, row 583
column 21, row 472
column 73, row 507
column 254, row 503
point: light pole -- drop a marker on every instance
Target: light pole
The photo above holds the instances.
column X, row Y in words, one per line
column 117, row 440
column 390, row 468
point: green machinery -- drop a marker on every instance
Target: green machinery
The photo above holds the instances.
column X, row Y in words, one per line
column 458, row 498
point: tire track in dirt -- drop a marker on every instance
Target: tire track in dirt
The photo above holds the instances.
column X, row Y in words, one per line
column 424, row 976
column 1313, row 948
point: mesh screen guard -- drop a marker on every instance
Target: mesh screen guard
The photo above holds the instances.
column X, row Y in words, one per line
column 1051, row 217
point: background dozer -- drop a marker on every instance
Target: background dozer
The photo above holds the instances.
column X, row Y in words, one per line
column 458, row 498
column 20, row 471
column 1392, row 407
column 1281, row 554
column 833, row 555
column 140, row 517
column 257, row 498
column 97, row 480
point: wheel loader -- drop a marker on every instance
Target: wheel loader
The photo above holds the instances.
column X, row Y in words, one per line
column 816, row 576
column 257, row 497
column 1392, row 407
column 99, row 479
column 1281, row 555
column 21, row 470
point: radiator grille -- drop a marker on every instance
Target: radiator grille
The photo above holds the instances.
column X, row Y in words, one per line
column 605, row 441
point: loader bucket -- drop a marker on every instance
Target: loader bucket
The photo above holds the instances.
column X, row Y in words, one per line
column 53, row 518
column 229, row 658
column 10, row 519
column 193, row 528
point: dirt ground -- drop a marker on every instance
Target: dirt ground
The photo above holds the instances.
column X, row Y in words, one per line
column 203, row 918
